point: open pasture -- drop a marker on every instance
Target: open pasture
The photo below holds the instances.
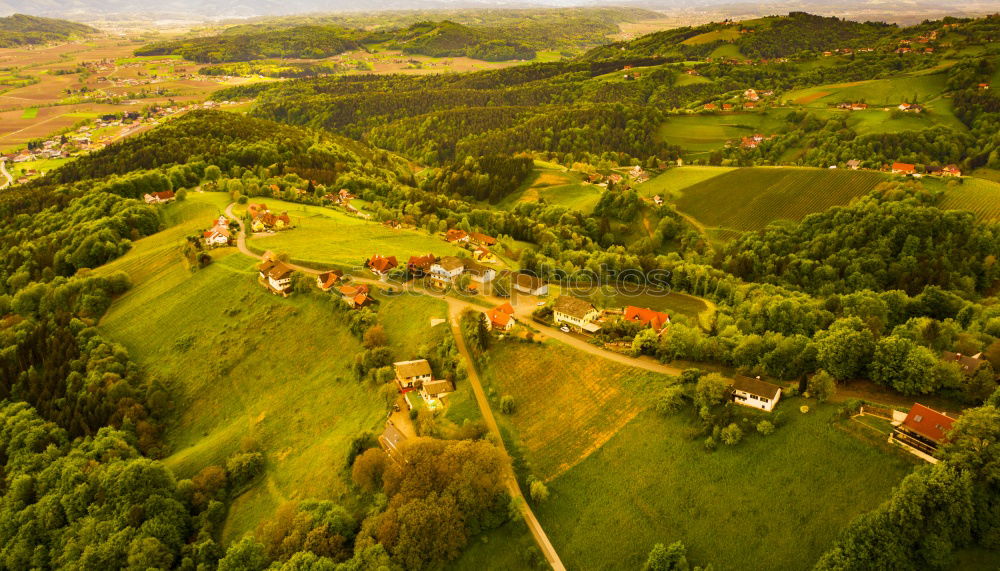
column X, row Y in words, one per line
column 327, row 236
column 776, row 501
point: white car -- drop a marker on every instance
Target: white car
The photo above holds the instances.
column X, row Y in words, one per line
column 540, row 304
column 564, row 329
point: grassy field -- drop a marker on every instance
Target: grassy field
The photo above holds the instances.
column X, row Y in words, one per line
column 30, row 113
column 564, row 413
column 326, row 236
column 704, row 133
column 751, row 198
column 240, row 363
column 674, row 180
column 724, row 35
column 777, row 502
column 876, row 92
column 559, row 187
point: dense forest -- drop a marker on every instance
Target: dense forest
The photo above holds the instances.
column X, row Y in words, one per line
column 20, row 29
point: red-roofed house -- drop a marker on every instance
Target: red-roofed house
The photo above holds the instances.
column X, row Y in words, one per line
column 903, row 168
column 380, row 265
column 355, row 296
column 327, row 280
column 456, row 236
column 951, row 170
column 923, row 430
column 501, row 317
column 159, row 197
column 482, row 239
column 418, row 266
column 655, row 319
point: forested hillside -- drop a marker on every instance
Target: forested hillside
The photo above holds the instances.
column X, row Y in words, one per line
column 20, row 29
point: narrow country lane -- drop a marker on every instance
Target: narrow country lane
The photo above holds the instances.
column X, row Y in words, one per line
column 455, row 309
column 10, row 179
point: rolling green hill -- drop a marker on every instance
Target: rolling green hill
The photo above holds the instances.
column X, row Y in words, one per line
column 20, row 29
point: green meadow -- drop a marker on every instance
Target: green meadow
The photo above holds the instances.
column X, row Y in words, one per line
column 700, row 134
column 769, row 503
column 250, row 369
column 876, row 92
column 558, row 187
column 673, row 181
column 327, row 236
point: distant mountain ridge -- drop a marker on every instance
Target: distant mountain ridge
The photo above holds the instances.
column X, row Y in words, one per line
column 20, row 29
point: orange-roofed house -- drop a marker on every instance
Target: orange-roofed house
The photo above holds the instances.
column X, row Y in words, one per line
column 482, row 239
column 456, row 236
column 923, row 431
column 159, row 197
column 903, row 168
column 418, row 266
column 355, row 296
column 710, row 106
column 655, row 319
column 327, row 280
column 380, row 265
column 501, row 317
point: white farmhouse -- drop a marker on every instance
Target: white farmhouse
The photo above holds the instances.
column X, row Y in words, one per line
column 576, row 312
column 755, row 393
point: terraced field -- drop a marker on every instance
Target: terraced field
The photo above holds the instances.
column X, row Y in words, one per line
column 980, row 196
column 751, row 198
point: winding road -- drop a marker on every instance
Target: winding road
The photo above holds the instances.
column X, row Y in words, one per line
column 523, row 306
column 10, row 179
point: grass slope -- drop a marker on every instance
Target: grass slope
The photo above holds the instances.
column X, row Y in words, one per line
column 558, row 187
column 326, row 236
column 569, row 403
column 242, row 363
column 769, row 503
column 751, row 198
column 700, row 134
column 674, row 180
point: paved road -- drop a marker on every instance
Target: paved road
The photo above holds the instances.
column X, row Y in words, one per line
column 10, row 179
column 455, row 309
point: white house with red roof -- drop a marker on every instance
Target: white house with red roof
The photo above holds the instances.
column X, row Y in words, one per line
column 649, row 317
column 501, row 317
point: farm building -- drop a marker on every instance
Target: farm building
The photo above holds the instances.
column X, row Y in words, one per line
column 903, row 168
column 327, row 280
column 456, row 236
column 432, row 391
column 529, row 284
column 649, row 317
column 411, row 373
column 482, row 239
column 969, row 365
column 276, row 275
column 418, row 266
column 355, row 297
column 951, row 170
column 444, row 271
column 501, row 317
column 380, row 265
column 755, row 393
column 159, row 197
column 392, row 440
column 576, row 312
column 923, row 430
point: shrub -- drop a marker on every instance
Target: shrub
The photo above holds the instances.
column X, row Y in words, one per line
column 822, row 386
column 670, row 401
column 539, row 492
column 507, row 404
column 710, row 443
column 243, row 468
column 765, row 427
column 732, row 434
